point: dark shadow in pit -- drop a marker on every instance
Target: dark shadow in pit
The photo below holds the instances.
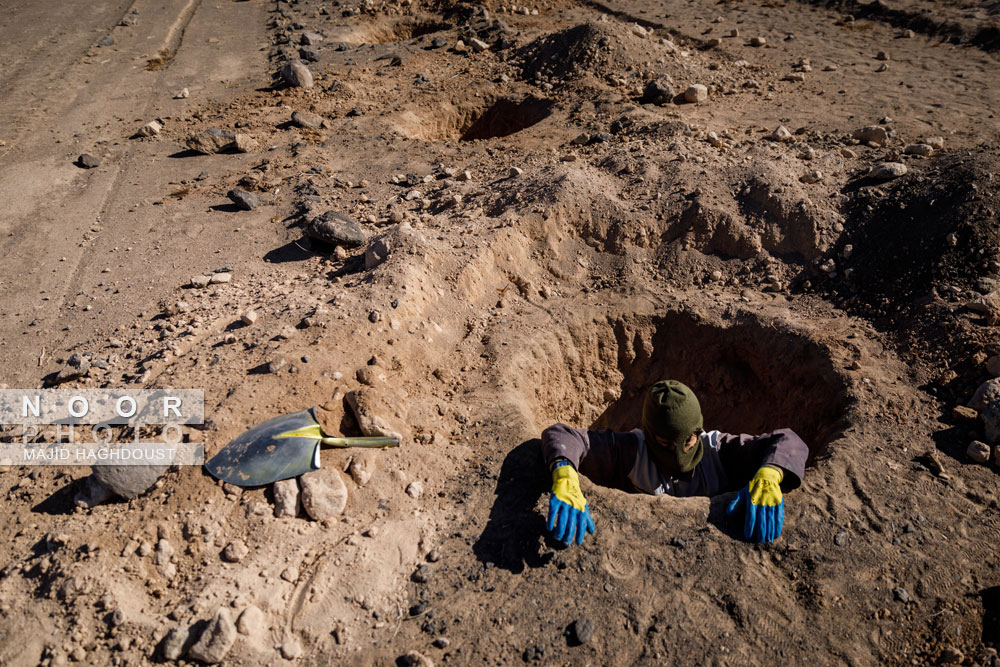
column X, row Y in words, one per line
column 991, row 615
column 187, row 152
column 515, row 534
column 226, row 208
column 506, row 117
column 749, row 377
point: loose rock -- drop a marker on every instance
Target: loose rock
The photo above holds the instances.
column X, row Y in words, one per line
column 286, row 498
column 336, row 228
column 875, row 134
column 150, row 129
column 213, row 140
column 979, row 452
column 781, row 134
column 414, row 659
column 251, row 621
column 415, row 489
column 245, row 201
column 696, row 93
column 658, row 91
column 297, row 74
column 887, row 171
column 172, row 646
column 88, row 161
column 901, row 594
column 324, row 494
column 583, row 630
column 235, row 551
column 77, row 366
column 129, row 481
column 217, row 638
column 307, row 120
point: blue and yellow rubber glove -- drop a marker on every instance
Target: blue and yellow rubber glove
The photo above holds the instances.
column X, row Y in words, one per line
column 569, row 515
column 765, row 508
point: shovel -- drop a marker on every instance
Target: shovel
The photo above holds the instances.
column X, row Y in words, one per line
column 283, row 447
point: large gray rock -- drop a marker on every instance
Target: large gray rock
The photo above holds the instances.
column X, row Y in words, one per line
column 128, row 481
column 211, row 141
column 245, row 201
column 324, row 494
column 658, row 91
column 887, row 171
column 991, row 422
column 297, row 74
column 336, row 229
column 987, row 392
column 217, row 638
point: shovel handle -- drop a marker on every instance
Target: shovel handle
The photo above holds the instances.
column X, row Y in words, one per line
column 373, row 442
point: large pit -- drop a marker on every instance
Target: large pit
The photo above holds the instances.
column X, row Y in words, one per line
column 751, row 376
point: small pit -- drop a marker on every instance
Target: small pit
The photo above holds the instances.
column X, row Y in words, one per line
column 750, row 376
column 401, row 31
column 506, row 117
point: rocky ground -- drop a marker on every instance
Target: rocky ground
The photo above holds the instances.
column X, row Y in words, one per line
column 460, row 223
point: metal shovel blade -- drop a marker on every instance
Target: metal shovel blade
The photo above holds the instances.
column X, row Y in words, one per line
column 280, row 448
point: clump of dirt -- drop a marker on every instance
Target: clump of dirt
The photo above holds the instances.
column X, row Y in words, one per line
column 914, row 251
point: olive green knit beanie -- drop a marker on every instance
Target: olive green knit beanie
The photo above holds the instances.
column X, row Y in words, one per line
column 672, row 412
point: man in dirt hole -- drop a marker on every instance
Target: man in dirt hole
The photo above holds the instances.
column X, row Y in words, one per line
column 672, row 454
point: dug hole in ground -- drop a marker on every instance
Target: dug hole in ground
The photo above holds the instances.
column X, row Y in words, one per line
column 459, row 224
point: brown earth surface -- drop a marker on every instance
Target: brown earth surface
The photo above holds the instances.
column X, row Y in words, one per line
column 542, row 242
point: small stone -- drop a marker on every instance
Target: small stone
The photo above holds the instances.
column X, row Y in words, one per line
column 812, row 177
column 107, row 40
column 220, row 278
column 414, row 659
column 212, row 140
column 163, row 553
column 307, row 120
column 758, row 41
column 881, row 55
column 887, row 171
column 286, row 498
column 478, row 45
column 951, row 655
column 172, row 646
column 979, row 452
column 251, row 621
column 875, row 134
column 290, row 574
column 884, row 67
column 696, row 93
column 583, row 630
column 199, row 282
column 150, row 129
column 324, row 494
column 235, row 551
column 441, row 642
column 907, row 34
column 415, row 489
column 796, row 77
column 781, row 134
column 848, row 153
column 841, row 538
column 310, row 38
column 182, row 94
column 830, row 68
column 77, row 366
column 244, row 143
column 422, row 574
column 901, row 594
column 937, row 143
column 217, row 638
column 249, row 317
column 712, row 43
column 245, row 201
column 433, row 556
column 361, row 469
column 658, row 91
column 297, row 74
column 291, row 649
column 88, row 161
column 924, row 150
column 515, row 172
column 336, row 228
column 991, row 422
